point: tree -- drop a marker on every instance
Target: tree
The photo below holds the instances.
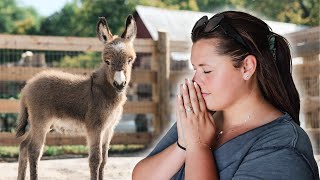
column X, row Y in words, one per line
column 18, row 20
column 304, row 12
column 86, row 60
column 115, row 12
column 301, row 12
column 28, row 24
column 62, row 23
column 79, row 17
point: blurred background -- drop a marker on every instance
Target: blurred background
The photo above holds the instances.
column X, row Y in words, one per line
column 60, row 34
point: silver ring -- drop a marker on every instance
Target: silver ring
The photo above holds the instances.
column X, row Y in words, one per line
column 188, row 109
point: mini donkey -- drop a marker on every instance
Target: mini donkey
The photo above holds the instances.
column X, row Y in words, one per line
column 93, row 102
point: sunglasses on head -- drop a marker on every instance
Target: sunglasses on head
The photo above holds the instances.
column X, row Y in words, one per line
column 215, row 22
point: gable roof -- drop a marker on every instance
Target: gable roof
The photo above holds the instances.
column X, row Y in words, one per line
column 178, row 23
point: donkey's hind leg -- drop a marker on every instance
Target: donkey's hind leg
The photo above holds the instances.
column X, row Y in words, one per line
column 23, row 158
column 35, row 147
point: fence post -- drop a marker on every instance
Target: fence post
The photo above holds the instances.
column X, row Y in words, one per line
column 310, row 85
column 163, row 80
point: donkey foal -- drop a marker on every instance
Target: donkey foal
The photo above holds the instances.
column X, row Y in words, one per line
column 93, row 102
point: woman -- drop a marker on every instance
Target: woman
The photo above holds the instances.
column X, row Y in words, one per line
column 242, row 72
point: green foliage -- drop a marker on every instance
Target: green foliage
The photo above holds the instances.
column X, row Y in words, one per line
column 86, row 60
column 121, row 148
column 62, row 23
column 9, row 151
column 18, row 20
column 13, row 151
column 9, row 120
column 300, row 12
column 59, row 150
column 172, row 4
column 115, row 11
column 79, row 17
column 305, row 12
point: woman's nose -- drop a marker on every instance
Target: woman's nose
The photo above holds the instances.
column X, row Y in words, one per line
column 196, row 79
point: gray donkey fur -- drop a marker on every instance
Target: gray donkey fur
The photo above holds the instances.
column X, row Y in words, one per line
column 93, row 102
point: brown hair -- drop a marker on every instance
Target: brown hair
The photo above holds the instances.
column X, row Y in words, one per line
column 274, row 69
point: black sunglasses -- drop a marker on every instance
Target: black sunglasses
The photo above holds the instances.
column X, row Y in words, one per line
column 217, row 21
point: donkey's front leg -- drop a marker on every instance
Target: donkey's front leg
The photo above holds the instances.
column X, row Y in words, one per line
column 105, row 149
column 104, row 160
column 95, row 153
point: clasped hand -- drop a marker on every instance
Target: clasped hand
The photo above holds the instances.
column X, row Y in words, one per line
column 196, row 126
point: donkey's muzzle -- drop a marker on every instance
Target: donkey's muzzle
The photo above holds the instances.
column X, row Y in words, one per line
column 119, row 86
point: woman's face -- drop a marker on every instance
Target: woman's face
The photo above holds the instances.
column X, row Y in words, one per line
column 220, row 82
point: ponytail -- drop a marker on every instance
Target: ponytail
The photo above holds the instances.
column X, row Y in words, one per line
column 275, row 76
column 284, row 66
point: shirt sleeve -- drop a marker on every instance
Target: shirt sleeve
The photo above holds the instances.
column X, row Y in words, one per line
column 275, row 163
column 169, row 138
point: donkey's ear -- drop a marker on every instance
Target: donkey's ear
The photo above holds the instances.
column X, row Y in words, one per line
column 103, row 31
column 131, row 29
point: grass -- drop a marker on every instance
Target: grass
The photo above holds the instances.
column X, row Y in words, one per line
column 9, row 151
column 49, row 151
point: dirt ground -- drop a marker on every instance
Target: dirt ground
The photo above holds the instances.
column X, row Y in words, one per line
column 118, row 168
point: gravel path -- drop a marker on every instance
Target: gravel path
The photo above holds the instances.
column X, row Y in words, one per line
column 118, row 168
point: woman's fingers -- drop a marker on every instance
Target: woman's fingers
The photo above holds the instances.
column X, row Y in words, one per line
column 211, row 119
column 186, row 99
column 193, row 96
column 202, row 104
column 181, row 107
column 179, row 123
column 177, row 111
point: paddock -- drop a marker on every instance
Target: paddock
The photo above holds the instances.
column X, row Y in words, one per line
column 153, row 71
column 156, row 74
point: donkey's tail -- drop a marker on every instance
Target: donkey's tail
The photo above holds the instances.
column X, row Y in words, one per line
column 23, row 119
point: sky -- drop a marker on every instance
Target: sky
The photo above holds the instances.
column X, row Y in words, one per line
column 44, row 7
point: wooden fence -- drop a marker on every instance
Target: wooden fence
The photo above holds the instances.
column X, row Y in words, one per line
column 305, row 44
column 160, row 63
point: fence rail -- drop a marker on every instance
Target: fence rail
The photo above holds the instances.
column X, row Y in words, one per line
column 9, row 139
column 25, row 73
column 59, row 43
column 144, row 107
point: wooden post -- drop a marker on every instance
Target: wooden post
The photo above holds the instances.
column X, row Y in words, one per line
column 163, row 80
column 310, row 84
column 155, row 90
column 305, row 44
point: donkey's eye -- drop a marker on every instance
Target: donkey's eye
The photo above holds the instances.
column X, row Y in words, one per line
column 130, row 60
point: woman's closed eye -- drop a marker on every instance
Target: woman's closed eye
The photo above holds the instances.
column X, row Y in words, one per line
column 204, row 71
column 207, row 70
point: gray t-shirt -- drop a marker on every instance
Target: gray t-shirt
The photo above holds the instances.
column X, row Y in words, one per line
column 278, row 150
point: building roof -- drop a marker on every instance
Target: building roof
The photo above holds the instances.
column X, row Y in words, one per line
column 178, row 23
